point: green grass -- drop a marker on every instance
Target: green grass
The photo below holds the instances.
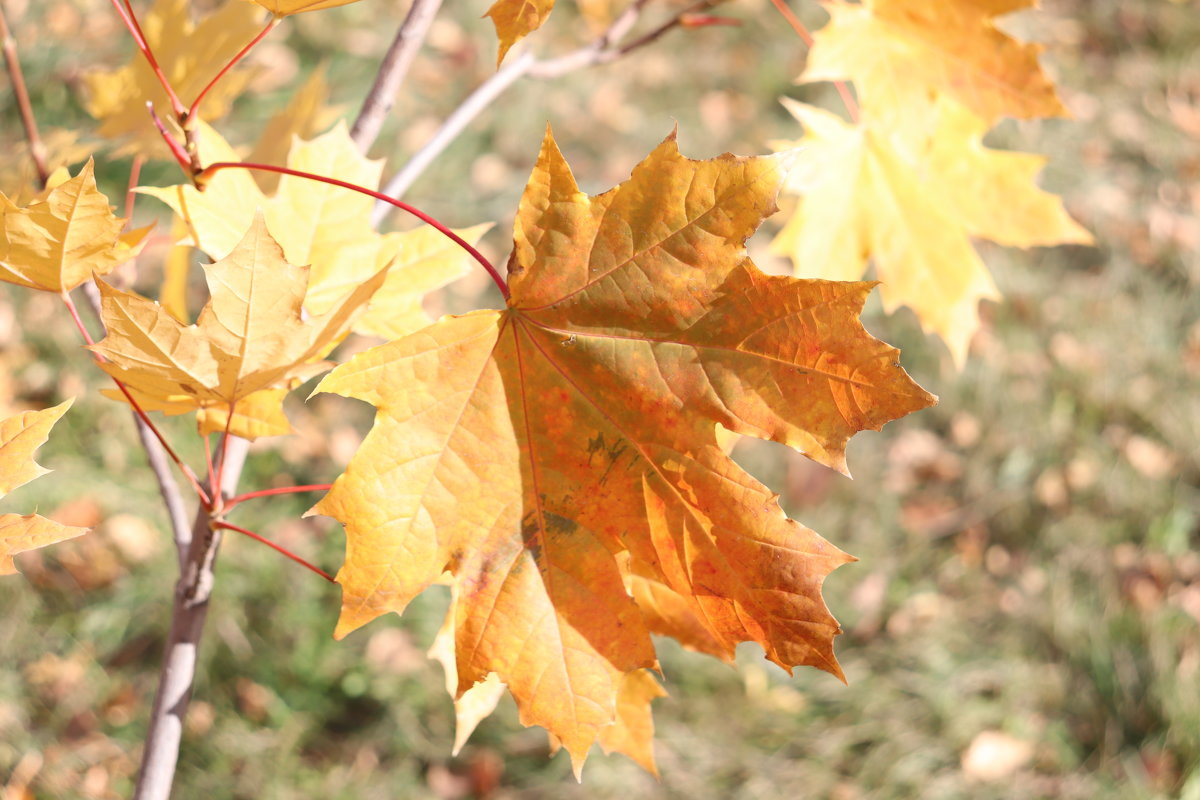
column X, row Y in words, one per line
column 1029, row 560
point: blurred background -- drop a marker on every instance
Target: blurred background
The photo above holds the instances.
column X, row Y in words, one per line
column 1024, row 620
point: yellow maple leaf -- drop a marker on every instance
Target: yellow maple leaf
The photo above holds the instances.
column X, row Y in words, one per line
column 190, row 55
column 544, row 453
column 902, row 53
column 305, row 115
column 20, row 435
column 516, row 19
column 62, row 239
column 865, row 197
column 250, row 338
column 327, row 227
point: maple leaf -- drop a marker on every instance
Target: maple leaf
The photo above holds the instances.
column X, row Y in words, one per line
column 546, row 453
column 516, row 19
column 189, row 54
column 249, row 339
column 865, row 196
column 327, row 227
column 20, row 435
column 62, row 238
column 305, row 115
column 901, row 53
column 282, row 8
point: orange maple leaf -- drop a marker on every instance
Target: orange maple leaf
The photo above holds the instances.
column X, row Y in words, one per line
column 547, row 453
column 20, row 435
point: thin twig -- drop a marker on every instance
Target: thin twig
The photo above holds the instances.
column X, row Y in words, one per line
column 168, row 489
column 481, row 98
column 379, row 101
column 602, row 50
column 192, row 593
column 37, row 150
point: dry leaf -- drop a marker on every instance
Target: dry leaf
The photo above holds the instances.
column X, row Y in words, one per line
column 901, row 54
column 545, row 453
column 20, row 435
column 189, row 54
column 60, row 240
column 516, row 19
column 250, row 344
column 866, row 196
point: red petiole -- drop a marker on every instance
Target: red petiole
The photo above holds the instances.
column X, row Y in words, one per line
column 191, row 113
column 139, row 39
column 806, row 37
column 245, row 532
column 204, row 174
column 313, row 487
column 137, row 409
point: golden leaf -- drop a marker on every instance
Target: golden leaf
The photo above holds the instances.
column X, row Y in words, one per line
column 863, row 196
column 544, row 453
column 61, row 240
column 250, row 337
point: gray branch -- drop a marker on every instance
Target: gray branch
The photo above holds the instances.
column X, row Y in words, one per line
column 392, row 70
column 192, row 593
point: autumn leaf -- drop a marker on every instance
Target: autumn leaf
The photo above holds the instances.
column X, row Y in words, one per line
column 547, row 453
column 282, row 8
column 306, row 114
column 250, row 340
column 516, row 19
column 902, row 53
column 864, row 196
column 327, row 227
column 61, row 239
column 20, row 435
column 189, row 54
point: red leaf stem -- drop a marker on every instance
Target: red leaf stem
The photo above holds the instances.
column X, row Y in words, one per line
column 184, row 468
column 209, row 170
column 313, row 487
column 245, row 532
column 139, row 39
column 806, row 37
column 191, row 112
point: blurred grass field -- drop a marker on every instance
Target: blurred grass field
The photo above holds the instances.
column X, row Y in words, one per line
column 1024, row 620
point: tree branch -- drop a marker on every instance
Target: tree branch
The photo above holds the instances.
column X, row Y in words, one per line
column 602, row 50
column 192, row 593
column 392, row 70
